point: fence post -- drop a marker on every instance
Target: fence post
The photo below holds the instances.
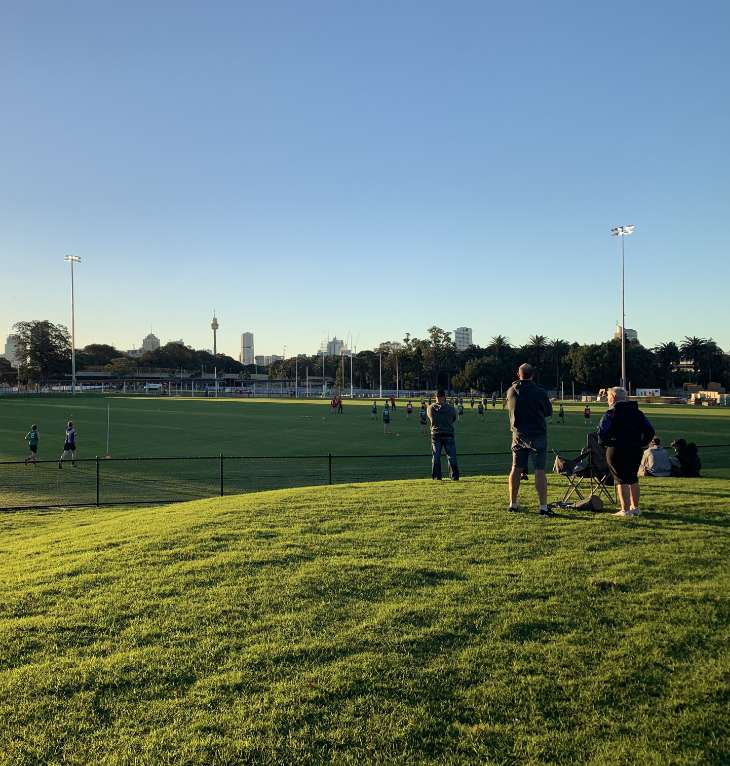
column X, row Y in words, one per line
column 97, row 480
column 329, row 460
column 221, row 472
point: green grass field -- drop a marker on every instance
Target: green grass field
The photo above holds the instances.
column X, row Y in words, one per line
column 400, row 622
column 161, row 427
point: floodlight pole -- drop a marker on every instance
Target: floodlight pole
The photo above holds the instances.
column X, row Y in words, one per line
column 621, row 232
column 72, row 259
column 380, row 357
column 351, row 388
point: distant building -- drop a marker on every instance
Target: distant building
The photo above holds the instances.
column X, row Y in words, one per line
column 135, row 353
column 462, row 338
column 247, row 356
column 12, row 353
column 631, row 335
column 177, row 342
column 150, row 343
column 265, row 361
column 333, row 347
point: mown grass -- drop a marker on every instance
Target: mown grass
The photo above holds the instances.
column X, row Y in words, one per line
column 403, row 622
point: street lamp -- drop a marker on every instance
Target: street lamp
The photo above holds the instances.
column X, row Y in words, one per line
column 72, row 259
column 621, row 232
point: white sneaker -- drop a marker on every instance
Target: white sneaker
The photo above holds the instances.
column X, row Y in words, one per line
column 623, row 514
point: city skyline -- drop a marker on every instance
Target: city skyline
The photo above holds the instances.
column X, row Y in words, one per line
column 370, row 170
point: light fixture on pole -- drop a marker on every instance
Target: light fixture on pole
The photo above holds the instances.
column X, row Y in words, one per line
column 621, row 232
column 214, row 326
column 72, row 259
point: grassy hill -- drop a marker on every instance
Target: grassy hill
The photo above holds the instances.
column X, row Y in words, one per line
column 404, row 622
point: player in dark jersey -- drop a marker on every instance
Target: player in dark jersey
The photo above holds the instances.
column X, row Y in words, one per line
column 69, row 445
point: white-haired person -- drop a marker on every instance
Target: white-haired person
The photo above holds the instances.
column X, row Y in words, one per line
column 625, row 432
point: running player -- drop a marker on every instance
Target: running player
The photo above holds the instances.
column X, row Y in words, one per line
column 409, row 408
column 386, row 419
column 69, row 445
column 374, row 410
column 480, row 409
column 339, row 405
column 494, row 400
column 587, row 414
column 561, row 414
column 32, row 438
column 460, row 409
column 472, row 402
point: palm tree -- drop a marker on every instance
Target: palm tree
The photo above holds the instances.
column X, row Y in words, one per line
column 667, row 355
column 694, row 350
column 537, row 347
column 498, row 346
column 558, row 348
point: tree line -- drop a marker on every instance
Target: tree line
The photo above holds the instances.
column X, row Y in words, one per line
column 410, row 364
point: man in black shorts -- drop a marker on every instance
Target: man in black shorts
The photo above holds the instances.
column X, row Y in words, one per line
column 528, row 405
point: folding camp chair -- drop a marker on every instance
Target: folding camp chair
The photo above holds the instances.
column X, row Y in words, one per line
column 589, row 468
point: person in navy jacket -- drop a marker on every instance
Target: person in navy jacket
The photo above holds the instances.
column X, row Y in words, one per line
column 625, row 432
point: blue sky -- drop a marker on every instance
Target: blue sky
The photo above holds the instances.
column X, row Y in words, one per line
column 366, row 168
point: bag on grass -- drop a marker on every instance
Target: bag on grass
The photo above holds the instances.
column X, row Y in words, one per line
column 591, row 503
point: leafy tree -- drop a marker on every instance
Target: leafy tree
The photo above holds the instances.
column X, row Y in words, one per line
column 44, row 349
column 557, row 350
column 121, row 366
column 97, row 354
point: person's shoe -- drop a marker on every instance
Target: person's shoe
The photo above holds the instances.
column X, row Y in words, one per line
column 513, row 509
column 623, row 514
column 635, row 511
column 547, row 512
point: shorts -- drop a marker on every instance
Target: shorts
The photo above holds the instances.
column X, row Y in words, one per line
column 33, row 447
column 524, row 446
column 624, row 462
column 69, row 447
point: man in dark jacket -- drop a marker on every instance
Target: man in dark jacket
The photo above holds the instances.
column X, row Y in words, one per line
column 625, row 433
column 442, row 416
column 528, row 407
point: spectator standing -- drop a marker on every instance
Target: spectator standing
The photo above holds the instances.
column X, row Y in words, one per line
column 529, row 406
column 625, row 432
column 442, row 416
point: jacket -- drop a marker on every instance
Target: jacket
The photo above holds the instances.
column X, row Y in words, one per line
column 528, row 405
column 625, row 425
column 442, row 417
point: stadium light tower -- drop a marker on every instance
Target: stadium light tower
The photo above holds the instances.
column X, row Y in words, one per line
column 72, row 259
column 621, row 232
column 214, row 326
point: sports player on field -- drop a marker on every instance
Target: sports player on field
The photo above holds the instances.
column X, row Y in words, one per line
column 69, row 445
column 32, row 438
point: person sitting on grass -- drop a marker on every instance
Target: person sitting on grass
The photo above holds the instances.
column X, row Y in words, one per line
column 442, row 416
column 687, row 457
column 655, row 460
column 625, row 432
column 529, row 407
column 32, row 438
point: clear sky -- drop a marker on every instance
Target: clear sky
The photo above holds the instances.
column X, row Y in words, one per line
column 367, row 168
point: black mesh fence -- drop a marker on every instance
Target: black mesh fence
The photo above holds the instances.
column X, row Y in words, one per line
column 136, row 481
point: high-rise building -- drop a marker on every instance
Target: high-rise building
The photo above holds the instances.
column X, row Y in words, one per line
column 265, row 361
column 334, row 347
column 247, row 355
column 11, row 349
column 630, row 335
column 150, row 343
column 462, row 338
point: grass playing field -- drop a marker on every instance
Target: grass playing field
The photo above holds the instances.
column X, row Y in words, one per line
column 400, row 623
column 159, row 427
